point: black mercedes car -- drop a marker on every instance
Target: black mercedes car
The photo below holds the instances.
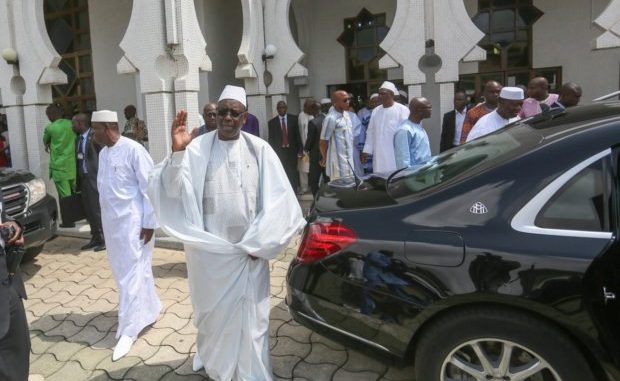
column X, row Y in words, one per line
column 497, row 260
column 25, row 198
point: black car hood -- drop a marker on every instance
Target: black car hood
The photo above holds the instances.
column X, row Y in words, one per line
column 10, row 176
column 345, row 194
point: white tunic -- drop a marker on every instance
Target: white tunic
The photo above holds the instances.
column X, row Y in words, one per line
column 380, row 136
column 122, row 181
column 303, row 119
column 303, row 164
column 491, row 122
column 255, row 213
column 231, row 184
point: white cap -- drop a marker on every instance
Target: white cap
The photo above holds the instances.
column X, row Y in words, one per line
column 512, row 93
column 325, row 101
column 104, row 116
column 373, row 95
column 234, row 92
column 387, row 85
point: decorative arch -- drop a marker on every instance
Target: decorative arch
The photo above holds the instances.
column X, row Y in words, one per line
column 609, row 20
column 446, row 22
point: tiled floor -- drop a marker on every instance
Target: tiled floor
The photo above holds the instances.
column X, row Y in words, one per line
column 72, row 313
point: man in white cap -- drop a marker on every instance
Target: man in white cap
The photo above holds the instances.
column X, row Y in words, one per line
column 508, row 107
column 383, row 124
column 227, row 197
column 326, row 104
column 364, row 112
column 128, row 223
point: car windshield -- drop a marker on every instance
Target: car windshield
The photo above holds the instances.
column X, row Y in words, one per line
column 463, row 161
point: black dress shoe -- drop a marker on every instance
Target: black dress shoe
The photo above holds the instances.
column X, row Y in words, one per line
column 89, row 245
column 99, row 247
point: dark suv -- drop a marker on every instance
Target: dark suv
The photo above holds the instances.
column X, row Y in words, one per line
column 497, row 260
column 26, row 199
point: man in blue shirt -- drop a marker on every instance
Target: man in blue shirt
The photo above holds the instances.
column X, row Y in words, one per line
column 411, row 145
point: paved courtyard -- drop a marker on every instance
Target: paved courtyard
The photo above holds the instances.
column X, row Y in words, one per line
column 72, row 311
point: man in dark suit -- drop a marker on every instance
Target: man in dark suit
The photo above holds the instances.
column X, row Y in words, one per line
column 312, row 147
column 285, row 139
column 14, row 336
column 87, row 152
column 453, row 122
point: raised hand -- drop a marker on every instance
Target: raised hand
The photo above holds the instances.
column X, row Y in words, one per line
column 180, row 136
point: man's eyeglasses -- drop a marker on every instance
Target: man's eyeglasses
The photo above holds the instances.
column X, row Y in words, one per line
column 212, row 114
column 233, row 113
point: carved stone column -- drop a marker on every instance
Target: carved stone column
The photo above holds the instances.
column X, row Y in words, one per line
column 164, row 45
column 26, row 86
column 609, row 20
column 251, row 66
column 449, row 37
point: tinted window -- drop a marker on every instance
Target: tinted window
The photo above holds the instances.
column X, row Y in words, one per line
column 487, row 151
column 582, row 203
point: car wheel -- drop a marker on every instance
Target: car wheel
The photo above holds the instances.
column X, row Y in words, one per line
column 497, row 345
column 31, row 253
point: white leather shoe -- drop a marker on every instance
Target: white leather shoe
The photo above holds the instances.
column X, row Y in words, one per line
column 122, row 347
column 197, row 364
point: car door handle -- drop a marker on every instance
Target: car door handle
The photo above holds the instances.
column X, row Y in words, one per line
column 608, row 295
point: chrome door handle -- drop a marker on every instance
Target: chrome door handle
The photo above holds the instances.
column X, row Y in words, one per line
column 608, row 295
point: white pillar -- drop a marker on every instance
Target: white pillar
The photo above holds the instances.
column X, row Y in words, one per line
column 17, row 135
column 257, row 105
column 36, row 120
column 609, row 20
column 26, row 89
column 164, row 45
column 455, row 38
column 160, row 111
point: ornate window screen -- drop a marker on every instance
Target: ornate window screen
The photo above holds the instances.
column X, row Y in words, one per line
column 507, row 25
column 69, row 30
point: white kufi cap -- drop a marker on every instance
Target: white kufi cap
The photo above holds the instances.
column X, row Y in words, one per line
column 234, row 92
column 512, row 93
column 374, row 95
column 387, row 85
column 325, row 101
column 104, row 116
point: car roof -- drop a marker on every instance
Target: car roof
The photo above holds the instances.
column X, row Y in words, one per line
column 523, row 139
column 559, row 123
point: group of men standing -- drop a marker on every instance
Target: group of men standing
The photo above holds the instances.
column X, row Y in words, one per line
column 500, row 107
column 329, row 140
column 385, row 131
column 238, row 211
column 391, row 134
column 229, row 196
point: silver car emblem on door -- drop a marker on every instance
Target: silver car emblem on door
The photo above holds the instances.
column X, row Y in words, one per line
column 479, row 208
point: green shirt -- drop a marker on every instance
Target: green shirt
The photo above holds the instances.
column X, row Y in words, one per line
column 59, row 136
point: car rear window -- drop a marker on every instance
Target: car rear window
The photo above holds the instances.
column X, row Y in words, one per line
column 464, row 161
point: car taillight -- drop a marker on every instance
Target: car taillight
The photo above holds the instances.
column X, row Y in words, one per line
column 323, row 239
